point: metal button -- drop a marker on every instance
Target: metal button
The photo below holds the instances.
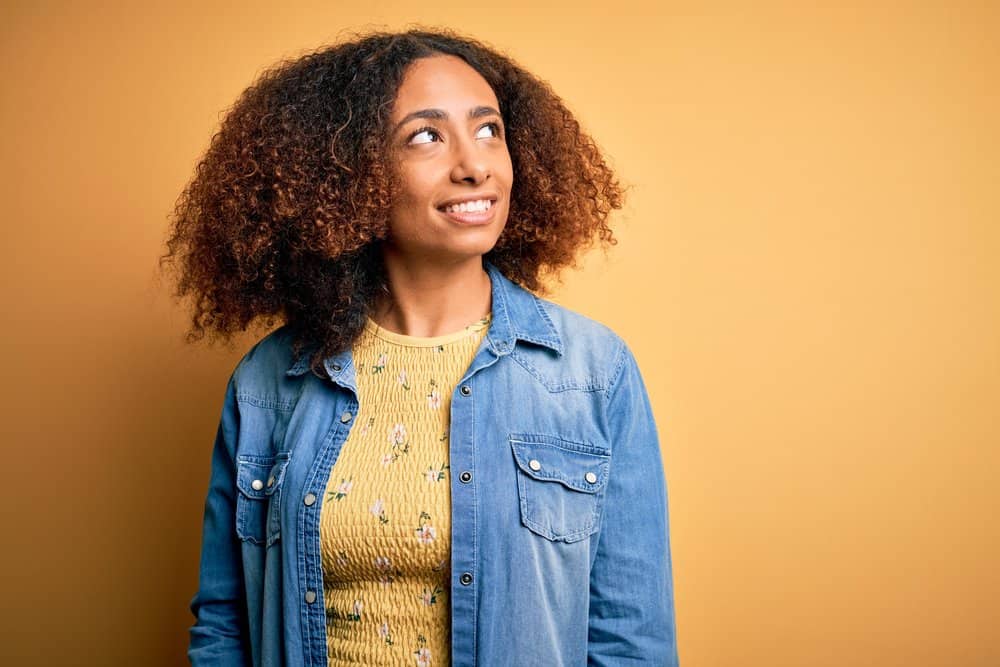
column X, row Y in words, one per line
column 336, row 367
column 346, row 417
column 466, row 390
column 466, row 578
column 465, row 477
column 310, row 597
column 590, row 477
column 270, row 481
column 257, row 485
column 309, row 499
column 534, row 464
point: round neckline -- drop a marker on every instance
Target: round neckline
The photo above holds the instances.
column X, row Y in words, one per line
column 425, row 341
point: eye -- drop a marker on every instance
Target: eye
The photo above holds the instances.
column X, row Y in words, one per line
column 422, row 136
column 493, row 127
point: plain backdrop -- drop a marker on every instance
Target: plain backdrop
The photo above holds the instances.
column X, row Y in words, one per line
column 807, row 272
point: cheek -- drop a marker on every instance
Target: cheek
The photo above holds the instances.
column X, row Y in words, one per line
column 507, row 172
column 415, row 187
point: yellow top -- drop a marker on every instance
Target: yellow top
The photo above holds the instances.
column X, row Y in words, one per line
column 385, row 524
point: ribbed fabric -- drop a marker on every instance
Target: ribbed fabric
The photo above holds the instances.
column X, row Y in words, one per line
column 385, row 524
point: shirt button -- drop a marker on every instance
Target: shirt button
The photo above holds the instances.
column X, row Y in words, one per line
column 309, row 499
column 465, row 477
column 310, row 597
column 534, row 464
column 336, row 367
column 590, row 477
column 346, row 417
column 466, row 578
column 257, row 485
column 466, row 390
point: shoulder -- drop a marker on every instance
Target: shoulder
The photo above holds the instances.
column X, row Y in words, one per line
column 591, row 353
column 261, row 376
column 577, row 329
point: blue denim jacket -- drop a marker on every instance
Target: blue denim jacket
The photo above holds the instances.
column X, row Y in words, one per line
column 560, row 541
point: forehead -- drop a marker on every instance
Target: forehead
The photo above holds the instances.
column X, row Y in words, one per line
column 440, row 82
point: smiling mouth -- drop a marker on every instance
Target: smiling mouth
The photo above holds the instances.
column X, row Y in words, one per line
column 474, row 206
column 473, row 212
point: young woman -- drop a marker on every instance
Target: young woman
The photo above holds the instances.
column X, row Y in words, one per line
column 426, row 463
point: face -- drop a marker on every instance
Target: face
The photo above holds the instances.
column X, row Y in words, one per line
column 454, row 171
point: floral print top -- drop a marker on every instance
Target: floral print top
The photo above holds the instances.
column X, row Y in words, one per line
column 385, row 522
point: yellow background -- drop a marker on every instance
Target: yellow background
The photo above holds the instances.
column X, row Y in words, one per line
column 808, row 274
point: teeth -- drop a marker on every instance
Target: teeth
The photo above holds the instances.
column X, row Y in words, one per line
column 472, row 206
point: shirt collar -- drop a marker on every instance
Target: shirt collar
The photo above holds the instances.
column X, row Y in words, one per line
column 517, row 314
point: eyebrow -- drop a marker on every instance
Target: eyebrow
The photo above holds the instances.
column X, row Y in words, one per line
column 441, row 114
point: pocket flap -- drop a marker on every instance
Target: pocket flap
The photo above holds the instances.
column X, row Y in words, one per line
column 258, row 476
column 546, row 458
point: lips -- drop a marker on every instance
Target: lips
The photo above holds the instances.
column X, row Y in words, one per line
column 475, row 210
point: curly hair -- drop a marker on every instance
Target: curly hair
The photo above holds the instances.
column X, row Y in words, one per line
column 287, row 209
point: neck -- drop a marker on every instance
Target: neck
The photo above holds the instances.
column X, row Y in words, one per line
column 432, row 299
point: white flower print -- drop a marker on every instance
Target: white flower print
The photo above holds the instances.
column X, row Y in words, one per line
column 397, row 437
column 435, row 475
column 423, row 653
column 342, row 490
column 387, row 574
column 434, row 399
column 355, row 614
column 426, row 533
column 387, row 459
column 378, row 510
column 402, row 379
column 383, row 632
column 429, row 597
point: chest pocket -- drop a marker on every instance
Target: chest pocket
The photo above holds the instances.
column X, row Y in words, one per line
column 258, row 503
column 560, row 485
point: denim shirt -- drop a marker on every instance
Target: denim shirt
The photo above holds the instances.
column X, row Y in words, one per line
column 560, row 549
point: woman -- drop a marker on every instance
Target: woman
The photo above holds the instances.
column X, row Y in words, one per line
column 426, row 463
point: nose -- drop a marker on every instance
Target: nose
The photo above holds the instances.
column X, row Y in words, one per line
column 471, row 163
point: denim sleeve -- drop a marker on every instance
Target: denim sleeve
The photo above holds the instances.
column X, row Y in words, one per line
column 218, row 636
column 631, row 582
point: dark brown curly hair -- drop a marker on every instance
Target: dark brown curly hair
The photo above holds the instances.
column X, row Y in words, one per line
column 286, row 212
